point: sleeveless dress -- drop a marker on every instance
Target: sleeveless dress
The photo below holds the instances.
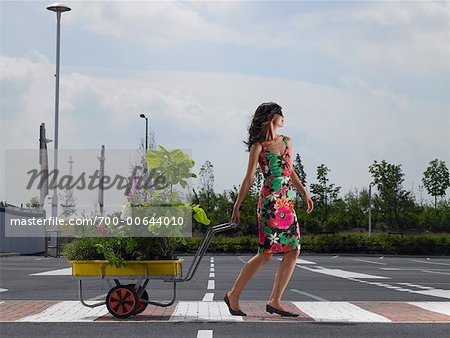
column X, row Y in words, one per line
column 278, row 227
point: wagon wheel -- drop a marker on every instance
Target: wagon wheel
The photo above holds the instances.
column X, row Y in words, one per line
column 141, row 306
column 122, row 301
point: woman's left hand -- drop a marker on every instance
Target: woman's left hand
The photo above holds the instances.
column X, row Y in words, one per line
column 309, row 205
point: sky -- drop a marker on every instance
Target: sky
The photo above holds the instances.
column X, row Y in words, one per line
column 358, row 81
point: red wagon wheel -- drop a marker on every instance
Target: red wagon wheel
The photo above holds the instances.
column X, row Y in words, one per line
column 141, row 306
column 122, row 301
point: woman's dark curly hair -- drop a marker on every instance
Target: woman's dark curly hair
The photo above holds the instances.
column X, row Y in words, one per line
column 261, row 122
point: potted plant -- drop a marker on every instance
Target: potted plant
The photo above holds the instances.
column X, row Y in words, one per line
column 144, row 234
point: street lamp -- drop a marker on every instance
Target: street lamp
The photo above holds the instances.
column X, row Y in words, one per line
column 370, row 207
column 146, row 131
column 58, row 9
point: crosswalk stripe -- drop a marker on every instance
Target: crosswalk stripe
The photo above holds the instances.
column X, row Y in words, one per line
column 338, row 311
column 210, row 310
column 440, row 307
column 67, row 311
column 199, row 311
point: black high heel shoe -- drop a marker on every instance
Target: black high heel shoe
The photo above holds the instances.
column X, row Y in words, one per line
column 233, row 312
column 272, row 309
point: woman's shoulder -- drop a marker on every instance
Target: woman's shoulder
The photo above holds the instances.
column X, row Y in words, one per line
column 288, row 139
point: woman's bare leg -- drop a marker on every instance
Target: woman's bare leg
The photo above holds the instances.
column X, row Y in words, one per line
column 282, row 277
column 250, row 269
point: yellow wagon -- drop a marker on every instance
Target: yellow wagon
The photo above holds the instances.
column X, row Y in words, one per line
column 124, row 300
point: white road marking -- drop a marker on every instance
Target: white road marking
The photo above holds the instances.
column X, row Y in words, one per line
column 434, row 292
column 363, row 260
column 200, row 311
column 208, row 297
column 210, row 284
column 440, row 307
column 205, row 334
column 59, row 272
column 242, row 260
column 342, row 273
column 309, row 295
column 338, row 311
column 67, row 311
column 391, row 269
column 436, row 272
column 211, row 265
column 211, row 269
column 302, row 261
column 3, row 290
column 417, row 286
column 335, row 257
column 212, row 259
column 438, row 263
column 211, row 275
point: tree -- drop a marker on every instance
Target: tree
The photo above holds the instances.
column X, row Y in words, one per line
column 436, row 179
column 323, row 192
column 388, row 178
column 298, row 168
column 67, row 203
column 207, row 181
column 257, row 181
column 207, row 176
column 33, row 203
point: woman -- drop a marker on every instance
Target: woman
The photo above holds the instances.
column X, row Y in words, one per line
column 278, row 226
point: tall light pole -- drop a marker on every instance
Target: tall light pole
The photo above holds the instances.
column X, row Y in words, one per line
column 146, row 131
column 58, row 9
column 370, row 207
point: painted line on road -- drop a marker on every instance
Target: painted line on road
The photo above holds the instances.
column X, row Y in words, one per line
column 391, row 269
column 211, row 265
column 302, row 261
column 208, row 297
column 417, row 286
column 310, row 295
column 67, row 311
column 210, row 284
column 3, row 290
column 342, row 273
column 429, row 262
column 436, row 272
column 211, row 275
column 58, row 272
column 440, row 307
column 242, row 260
column 338, row 311
column 363, row 260
column 205, row 334
column 434, row 292
column 200, row 311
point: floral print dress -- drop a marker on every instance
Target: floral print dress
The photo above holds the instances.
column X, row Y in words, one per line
column 278, row 227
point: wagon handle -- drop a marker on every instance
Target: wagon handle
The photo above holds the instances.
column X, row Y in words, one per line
column 203, row 247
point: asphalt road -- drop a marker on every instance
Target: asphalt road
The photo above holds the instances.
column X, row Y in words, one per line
column 322, row 279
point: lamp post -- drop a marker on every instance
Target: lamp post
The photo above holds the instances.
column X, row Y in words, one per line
column 370, row 207
column 146, row 131
column 58, row 9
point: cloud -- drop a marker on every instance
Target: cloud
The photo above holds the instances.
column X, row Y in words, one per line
column 345, row 128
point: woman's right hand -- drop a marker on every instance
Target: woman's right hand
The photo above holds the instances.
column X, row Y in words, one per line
column 235, row 217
